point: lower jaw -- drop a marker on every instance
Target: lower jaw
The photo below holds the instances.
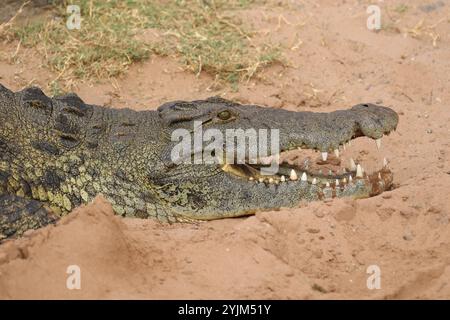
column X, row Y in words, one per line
column 368, row 186
column 272, row 196
column 347, row 184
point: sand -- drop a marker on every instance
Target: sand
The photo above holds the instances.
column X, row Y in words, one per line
column 319, row 250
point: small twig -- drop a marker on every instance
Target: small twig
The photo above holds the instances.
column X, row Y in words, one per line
column 436, row 24
column 228, row 23
column 17, row 50
column 199, row 66
column 61, row 73
column 283, row 18
column 408, row 97
column 297, row 45
column 29, row 83
column 90, row 8
column 5, row 25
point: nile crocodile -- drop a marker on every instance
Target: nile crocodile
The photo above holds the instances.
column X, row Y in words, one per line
column 58, row 153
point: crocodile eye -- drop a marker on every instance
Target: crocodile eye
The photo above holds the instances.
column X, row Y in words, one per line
column 224, row 115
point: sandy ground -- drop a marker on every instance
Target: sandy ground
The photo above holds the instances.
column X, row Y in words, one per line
column 318, row 250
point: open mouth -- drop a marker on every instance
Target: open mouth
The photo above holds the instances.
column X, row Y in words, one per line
column 329, row 171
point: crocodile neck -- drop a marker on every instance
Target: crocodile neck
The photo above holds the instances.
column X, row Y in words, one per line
column 64, row 153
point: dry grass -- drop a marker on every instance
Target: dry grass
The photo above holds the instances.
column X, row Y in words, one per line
column 202, row 35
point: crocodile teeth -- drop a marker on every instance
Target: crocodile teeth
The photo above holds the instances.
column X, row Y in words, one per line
column 314, row 181
column 379, row 175
column 251, row 179
column 304, row 177
column 385, row 162
column 350, row 179
column 327, row 185
column 283, row 179
column 261, row 180
column 352, row 164
column 337, row 182
column 324, row 156
column 336, row 153
column 359, row 171
column 270, row 180
column 378, row 142
column 293, row 175
column 344, row 180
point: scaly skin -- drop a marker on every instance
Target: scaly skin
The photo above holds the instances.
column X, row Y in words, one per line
column 58, row 153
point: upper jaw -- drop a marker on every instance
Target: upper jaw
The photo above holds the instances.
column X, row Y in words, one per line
column 328, row 133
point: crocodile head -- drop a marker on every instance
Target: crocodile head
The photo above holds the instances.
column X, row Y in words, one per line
column 229, row 187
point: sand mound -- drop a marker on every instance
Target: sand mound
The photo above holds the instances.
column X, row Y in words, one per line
column 91, row 238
